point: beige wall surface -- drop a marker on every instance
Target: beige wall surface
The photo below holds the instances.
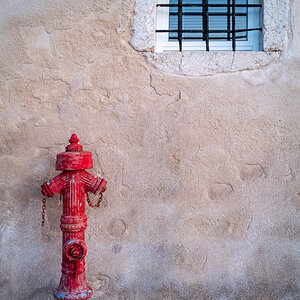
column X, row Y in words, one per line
column 203, row 191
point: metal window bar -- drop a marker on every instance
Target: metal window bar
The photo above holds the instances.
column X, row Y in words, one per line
column 231, row 20
column 206, row 24
column 180, row 24
column 228, row 20
column 233, row 26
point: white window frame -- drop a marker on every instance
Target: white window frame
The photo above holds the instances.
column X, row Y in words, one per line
column 163, row 44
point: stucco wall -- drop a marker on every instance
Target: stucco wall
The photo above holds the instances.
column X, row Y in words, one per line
column 203, row 171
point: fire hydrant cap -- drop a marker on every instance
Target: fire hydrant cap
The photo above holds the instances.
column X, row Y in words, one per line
column 74, row 158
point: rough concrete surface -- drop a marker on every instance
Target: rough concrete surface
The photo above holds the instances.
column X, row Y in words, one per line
column 203, row 191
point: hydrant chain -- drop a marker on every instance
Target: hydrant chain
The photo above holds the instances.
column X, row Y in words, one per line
column 90, row 202
column 44, row 208
column 43, row 211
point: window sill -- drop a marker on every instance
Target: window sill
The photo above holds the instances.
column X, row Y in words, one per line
column 208, row 63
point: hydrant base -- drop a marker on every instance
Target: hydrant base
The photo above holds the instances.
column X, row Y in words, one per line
column 79, row 295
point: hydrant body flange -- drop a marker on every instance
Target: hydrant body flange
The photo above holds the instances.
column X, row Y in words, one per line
column 73, row 183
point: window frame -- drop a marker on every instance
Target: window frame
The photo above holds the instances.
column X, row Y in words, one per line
column 163, row 44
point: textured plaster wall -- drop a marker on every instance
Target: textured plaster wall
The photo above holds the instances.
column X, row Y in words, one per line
column 203, row 191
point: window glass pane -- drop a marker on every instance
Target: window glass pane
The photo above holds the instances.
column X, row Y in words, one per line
column 218, row 20
column 192, row 19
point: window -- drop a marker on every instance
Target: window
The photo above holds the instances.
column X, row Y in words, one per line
column 209, row 25
column 267, row 47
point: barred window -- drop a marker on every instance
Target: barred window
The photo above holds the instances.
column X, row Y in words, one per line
column 209, row 25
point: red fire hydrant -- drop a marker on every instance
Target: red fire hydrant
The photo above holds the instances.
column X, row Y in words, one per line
column 72, row 184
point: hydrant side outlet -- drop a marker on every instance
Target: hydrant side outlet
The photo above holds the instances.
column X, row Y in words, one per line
column 73, row 183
